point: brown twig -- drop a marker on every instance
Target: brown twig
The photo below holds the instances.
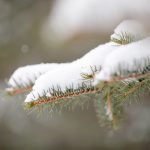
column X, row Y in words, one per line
column 56, row 98
column 109, row 107
column 13, row 91
column 133, row 89
column 117, row 79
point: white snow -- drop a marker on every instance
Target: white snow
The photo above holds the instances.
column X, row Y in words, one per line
column 107, row 56
column 69, row 74
column 130, row 27
column 125, row 57
column 96, row 57
column 27, row 75
column 24, row 76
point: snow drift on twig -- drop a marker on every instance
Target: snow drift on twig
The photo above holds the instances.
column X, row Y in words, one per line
column 26, row 76
column 129, row 58
column 70, row 74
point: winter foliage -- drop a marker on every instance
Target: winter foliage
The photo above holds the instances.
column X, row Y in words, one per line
column 115, row 71
column 136, row 61
column 69, row 75
column 25, row 77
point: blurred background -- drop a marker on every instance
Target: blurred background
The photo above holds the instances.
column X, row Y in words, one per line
column 35, row 31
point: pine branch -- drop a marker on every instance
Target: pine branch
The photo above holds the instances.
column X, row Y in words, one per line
column 24, row 78
column 15, row 91
column 120, row 89
column 69, row 103
column 109, row 111
column 101, row 110
column 20, row 87
column 109, row 108
column 59, row 95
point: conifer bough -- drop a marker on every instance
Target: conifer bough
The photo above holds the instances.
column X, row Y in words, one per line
column 115, row 70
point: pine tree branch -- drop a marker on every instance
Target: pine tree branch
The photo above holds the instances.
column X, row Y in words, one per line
column 46, row 100
column 13, row 91
column 109, row 111
column 74, row 93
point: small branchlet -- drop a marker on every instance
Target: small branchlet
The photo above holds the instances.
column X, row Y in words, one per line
column 15, row 91
column 22, row 86
column 123, row 38
column 91, row 76
column 58, row 94
column 125, row 86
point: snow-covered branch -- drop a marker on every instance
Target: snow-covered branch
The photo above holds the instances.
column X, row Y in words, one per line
column 126, row 56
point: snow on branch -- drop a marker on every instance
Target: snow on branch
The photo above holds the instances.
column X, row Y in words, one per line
column 133, row 58
column 126, row 56
column 125, row 73
column 128, row 31
column 113, row 72
column 24, row 77
column 70, row 74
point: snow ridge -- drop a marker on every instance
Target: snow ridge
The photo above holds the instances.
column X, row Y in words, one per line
column 125, row 58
